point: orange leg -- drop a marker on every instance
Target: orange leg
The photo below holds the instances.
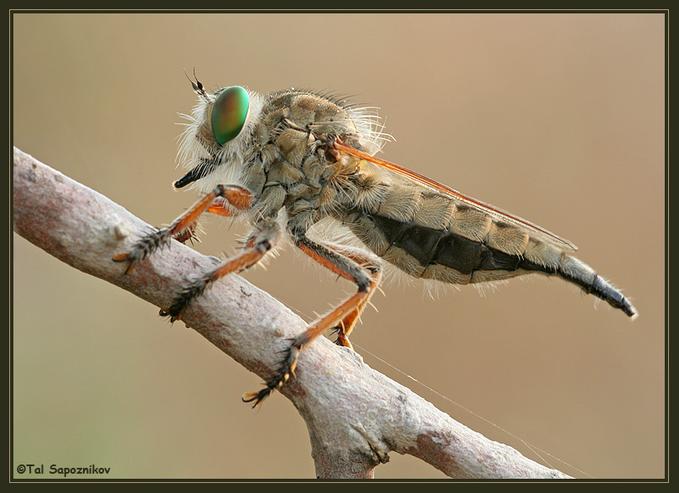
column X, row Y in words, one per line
column 366, row 278
column 239, row 197
column 346, row 326
column 219, row 207
column 257, row 245
column 348, row 323
column 189, row 234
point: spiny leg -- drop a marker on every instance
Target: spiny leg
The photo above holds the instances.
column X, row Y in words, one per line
column 237, row 196
column 258, row 244
column 366, row 278
column 348, row 323
column 366, row 261
column 346, row 326
column 219, row 207
column 188, row 234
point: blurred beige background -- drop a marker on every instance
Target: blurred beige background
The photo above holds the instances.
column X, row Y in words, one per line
column 558, row 118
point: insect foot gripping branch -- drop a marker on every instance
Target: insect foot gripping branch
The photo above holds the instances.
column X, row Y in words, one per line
column 257, row 246
column 346, row 262
column 237, row 196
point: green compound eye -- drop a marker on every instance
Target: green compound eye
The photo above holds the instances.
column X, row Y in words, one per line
column 229, row 113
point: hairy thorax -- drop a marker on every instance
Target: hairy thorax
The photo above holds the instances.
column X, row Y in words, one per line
column 293, row 168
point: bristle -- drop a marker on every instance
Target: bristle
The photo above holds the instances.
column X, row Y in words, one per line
column 153, row 240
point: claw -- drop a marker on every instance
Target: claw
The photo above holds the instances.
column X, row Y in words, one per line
column 284, row 373
column 184, row 298
column 168, row 313
column 120, row 257
column 249, row 396
column 257, row 397
column 124, row 257
column 152, row 240
column 343, row 341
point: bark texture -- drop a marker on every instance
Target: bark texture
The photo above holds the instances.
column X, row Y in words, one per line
column 354, row 414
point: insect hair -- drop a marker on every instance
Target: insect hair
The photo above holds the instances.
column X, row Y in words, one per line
column 196, row 144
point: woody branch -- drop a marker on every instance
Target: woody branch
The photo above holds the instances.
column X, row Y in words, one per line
column 354, row 414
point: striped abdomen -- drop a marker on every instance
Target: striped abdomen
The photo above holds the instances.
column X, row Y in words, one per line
column 432, row 236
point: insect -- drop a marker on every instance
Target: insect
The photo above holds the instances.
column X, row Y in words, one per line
column 287, row 160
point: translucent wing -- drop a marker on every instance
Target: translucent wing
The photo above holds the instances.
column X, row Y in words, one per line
column 534, row 229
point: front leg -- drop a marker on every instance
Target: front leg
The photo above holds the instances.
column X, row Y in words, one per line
column 366, row 277
column 238, row 197
column 219, row 207
column 258, row 244
column 189, row 234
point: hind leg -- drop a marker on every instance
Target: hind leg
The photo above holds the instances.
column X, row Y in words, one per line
column 348, row 323
column 366, row 278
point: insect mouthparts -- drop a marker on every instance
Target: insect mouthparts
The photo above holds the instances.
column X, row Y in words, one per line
column 182, row 182
column 203, row 169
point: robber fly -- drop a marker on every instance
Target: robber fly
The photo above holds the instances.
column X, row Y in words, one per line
column 286, row 160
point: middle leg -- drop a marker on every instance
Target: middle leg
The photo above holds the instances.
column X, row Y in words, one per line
column 258, row 244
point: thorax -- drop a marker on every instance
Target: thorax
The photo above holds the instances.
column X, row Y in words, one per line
column 292, row 169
